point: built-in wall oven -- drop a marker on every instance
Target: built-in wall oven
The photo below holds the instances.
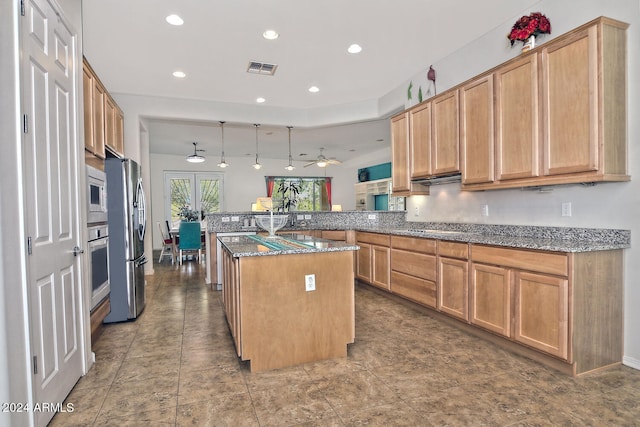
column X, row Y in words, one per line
column 98, row 249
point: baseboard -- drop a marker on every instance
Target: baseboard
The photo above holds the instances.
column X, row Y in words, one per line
column 631, row 362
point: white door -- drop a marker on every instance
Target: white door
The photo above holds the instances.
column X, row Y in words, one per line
column 52, row 211
column 201, row 191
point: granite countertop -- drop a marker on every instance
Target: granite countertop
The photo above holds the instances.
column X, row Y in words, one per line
column 283, row 244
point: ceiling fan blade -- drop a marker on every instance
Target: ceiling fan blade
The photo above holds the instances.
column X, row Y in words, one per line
column 310, row 163
column 334, row 161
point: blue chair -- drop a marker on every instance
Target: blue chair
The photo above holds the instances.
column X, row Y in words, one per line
column 189, row 239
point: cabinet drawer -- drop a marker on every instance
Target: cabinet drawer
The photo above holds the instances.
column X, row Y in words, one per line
column 373, row 238
column 415, row 264
column 453, row 249
column 339, row 235
column 414, row 244
column 542, row 262
column 413, row 288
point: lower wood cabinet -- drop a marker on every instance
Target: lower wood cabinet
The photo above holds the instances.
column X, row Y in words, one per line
column 453, row 279
column 414, row 269
column 373, row 259
column 491, row 298
column 542, row 312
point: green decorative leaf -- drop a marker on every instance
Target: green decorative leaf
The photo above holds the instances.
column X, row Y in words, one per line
column 420, row 94
column 409, row 95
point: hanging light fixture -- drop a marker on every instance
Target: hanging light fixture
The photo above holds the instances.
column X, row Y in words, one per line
column 290, row 167
column 223, row 163
column 257, row 165
column 195, row 157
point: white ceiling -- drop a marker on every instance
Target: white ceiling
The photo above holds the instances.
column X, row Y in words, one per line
column 134, row 51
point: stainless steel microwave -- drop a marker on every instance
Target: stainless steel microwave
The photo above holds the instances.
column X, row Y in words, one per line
column 96, row 196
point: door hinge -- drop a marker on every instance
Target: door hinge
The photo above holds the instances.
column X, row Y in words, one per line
column 35, row 365
column 25, row 123
column 29, row 246
column 22, row 7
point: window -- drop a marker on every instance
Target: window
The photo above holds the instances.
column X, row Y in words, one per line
column 299, row 193
column 199, row 191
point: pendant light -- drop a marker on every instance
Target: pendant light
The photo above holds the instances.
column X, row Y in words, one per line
column 257, row 165
column 290, row 167
column 223, row 164
column 195, row 157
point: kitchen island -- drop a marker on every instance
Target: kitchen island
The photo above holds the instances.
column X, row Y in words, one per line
column 288, row 300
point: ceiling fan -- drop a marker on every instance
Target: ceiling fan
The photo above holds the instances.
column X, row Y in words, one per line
column 323, row 161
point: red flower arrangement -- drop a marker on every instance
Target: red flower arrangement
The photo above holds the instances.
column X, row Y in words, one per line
column 528, row 26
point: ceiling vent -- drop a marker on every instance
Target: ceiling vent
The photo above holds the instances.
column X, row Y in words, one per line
column 261, row 68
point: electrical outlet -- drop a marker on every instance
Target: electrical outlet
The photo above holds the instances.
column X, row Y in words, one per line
column 225, row 219
column 310, row 282
column 300, row 217
column 566, row 209
column 235, row 219
column 416, row 210
column 307, row 216
column 372, row 216
column 485, row 210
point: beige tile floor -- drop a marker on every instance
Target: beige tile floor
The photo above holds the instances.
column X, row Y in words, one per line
column 176, row 366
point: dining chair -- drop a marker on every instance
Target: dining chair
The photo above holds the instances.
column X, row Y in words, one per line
column 189, row 233
column 167, row 244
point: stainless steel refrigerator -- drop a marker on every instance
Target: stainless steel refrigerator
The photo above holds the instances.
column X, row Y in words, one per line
column 126, row 206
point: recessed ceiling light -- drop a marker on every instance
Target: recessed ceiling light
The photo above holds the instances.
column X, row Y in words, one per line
column 179, row 74
column 314, row 89
column 270, row 34
column 174, row 20
column 260, row 100
column 354, row 48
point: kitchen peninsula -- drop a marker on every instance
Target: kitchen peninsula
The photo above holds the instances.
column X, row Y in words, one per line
column 288, row 300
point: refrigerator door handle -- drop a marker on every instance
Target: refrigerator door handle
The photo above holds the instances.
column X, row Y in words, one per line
column 141, row 261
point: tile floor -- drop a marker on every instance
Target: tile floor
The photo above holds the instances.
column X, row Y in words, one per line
column 176, row 366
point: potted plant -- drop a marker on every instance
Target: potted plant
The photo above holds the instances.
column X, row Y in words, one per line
column 188, row 215
column 527, row 28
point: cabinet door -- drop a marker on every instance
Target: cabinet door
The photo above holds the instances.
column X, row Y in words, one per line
column 380, row 271
column 570, row 100
column 517, row 120
column 491, row 298
column 541, row 313
column 119, row 131
column 110, row 123
column 400, row 154
column 87, row 93
column 453, row 281
column 476, row 131
column 363, row 264
column 420, row 140
column 99, row 95
column 445, row 141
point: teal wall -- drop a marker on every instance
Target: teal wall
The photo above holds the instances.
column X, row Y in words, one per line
column 380, row 171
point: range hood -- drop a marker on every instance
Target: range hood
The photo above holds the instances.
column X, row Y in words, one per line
column 437, row 180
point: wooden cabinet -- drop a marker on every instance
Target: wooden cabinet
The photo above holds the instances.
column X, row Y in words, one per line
column 420, row 140
column 517, row 119
column 103, row 119
column 113, row 127
column 93, row 98
column 560, row 114
column 373, row 259
column 542, row 310
column 476, row 131
column 453, row 279
column 400, row 173
column 491, row 298
column 445, row 141
column 337, row 235
column 413, row 269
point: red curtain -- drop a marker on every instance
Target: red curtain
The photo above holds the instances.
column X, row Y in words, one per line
column 328, row 184
column 270, row 183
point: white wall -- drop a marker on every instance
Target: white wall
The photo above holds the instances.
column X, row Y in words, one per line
column 607, row 205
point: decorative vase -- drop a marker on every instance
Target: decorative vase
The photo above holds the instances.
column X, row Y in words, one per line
column 529, row 44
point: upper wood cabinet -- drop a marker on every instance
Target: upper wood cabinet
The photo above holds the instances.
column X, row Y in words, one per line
column 400, row 177
column 560, row 114
column 476, row 131
column 93, row 97
column 420, row 140
column 445, row 141
column 103, row 119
